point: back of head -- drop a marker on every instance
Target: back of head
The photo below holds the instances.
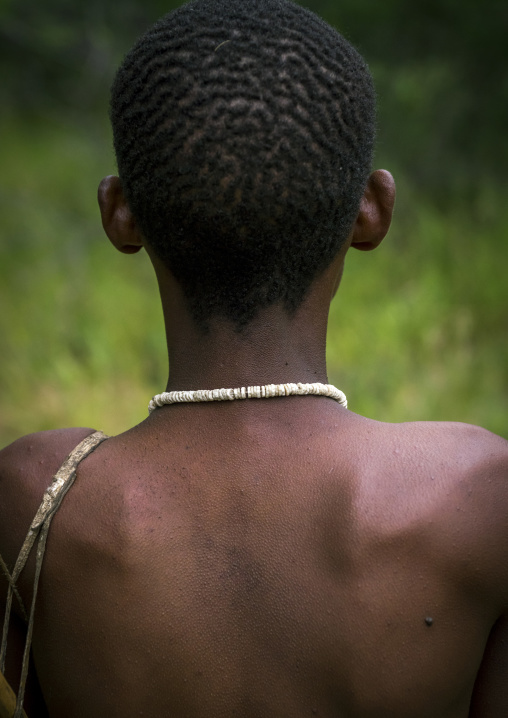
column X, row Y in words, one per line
column 243, row 131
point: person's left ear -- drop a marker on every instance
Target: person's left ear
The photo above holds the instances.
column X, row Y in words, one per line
column 376, row 210
column 117, row 218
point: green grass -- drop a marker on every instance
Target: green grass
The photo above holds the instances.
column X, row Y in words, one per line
column 417, row 331
column 419, row 328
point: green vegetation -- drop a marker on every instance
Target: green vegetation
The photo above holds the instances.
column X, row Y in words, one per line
column 419, row 327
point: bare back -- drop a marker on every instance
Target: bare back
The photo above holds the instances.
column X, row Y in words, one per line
column 270, row 559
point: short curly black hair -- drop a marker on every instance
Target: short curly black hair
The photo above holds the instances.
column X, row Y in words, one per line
column 243, row 132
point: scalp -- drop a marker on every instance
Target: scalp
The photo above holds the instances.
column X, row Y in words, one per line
column 243, row 133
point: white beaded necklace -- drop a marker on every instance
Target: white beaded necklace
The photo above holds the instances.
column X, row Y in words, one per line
column 250, row 392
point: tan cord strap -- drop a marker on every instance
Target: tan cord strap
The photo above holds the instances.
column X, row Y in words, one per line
column 11, row 583
column 53, row 497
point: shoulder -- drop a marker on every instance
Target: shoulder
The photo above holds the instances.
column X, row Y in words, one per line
column 450, row 444
column 463, row 457
column 35, row 458
column 446, row 484
column 470, row 468
column 455, row 474
column 27, row 467
column 452, row 447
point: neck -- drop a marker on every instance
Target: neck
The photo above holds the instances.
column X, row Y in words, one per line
column 274, row 348
column 269, row 351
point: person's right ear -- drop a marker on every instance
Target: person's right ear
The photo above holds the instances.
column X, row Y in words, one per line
column 117, row 218
column 376, row 209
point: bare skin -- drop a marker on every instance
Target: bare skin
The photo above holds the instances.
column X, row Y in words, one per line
column 265, row 559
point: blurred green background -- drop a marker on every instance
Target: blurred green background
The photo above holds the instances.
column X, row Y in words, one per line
column 419, row 327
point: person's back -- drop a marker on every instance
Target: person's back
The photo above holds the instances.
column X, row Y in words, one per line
column 228, row 560
column 277, row 557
